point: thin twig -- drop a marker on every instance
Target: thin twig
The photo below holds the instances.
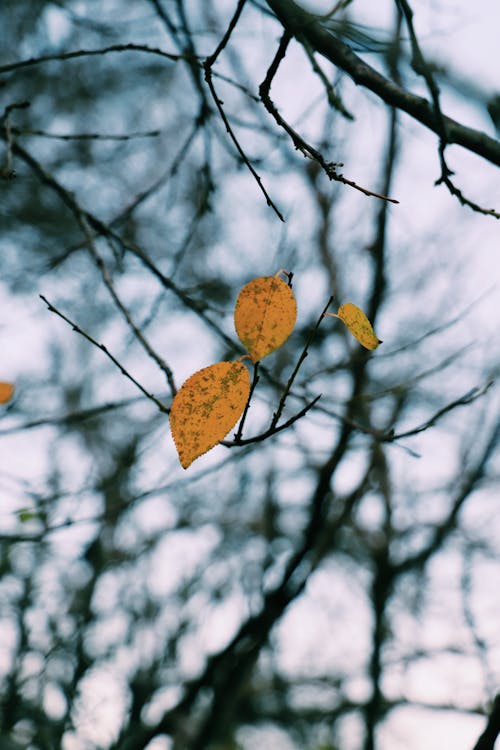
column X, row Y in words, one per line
column 391, row 436
column 106, row 351
column 223, row 42
column 255, row 380
column 298, row 141
column 273, row 430
column 86, row 136
column 467, row 398
column 303, row 355
column 89, row 53
column 229, row 130
column 420, row 67
column 334, row 99
column 207, row 66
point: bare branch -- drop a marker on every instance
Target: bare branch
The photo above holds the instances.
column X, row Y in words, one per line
column 230, row 131
column 467, row 398
column 106, row 351
column 255, row 380
column 103, row 229
column 272, row 430
column 207, row 66
column 303, row 25
column 421, row 67
column 303, row 355
column 330, row 168
column 86, row 136
column 223, row 42
column 488, row 737
column 90, row 53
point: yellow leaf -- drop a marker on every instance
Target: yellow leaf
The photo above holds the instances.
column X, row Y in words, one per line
column 6, row 392
column 206, row 407
column 359, row 325
column 264, row 315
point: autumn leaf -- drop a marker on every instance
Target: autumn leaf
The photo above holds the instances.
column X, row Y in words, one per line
column 264, row 315
column 358, row 324
column 206, row 407
column 6, row 392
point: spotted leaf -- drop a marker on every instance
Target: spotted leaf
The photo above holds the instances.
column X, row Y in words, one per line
column 206, row 407
column 359, row 325
column 264, row 315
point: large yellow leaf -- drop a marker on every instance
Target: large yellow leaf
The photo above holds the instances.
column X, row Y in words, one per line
column 206, row 407
column 359, row 325
column 264, row 315
column 6, row 392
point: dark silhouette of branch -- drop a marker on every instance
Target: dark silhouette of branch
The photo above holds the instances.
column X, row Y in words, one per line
column 230, row 131
column 86, row 136
column 209, row 62
column 488, row 737
column 273, row 430
column 253, row 385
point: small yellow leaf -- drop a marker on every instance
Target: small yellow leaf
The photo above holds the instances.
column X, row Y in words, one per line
column 206, row 407
column 359, row 325
column 6, row 392
column 264, row 315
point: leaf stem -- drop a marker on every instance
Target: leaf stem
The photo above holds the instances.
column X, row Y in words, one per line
column 255, row 380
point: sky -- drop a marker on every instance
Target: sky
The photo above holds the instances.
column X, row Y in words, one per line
column 451, row 29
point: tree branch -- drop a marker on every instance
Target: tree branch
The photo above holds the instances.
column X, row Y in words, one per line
column 329, row 168
column 421, row 67
column 106, row 351
column 488, row 737
column 303, row 25
column 89, row 53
